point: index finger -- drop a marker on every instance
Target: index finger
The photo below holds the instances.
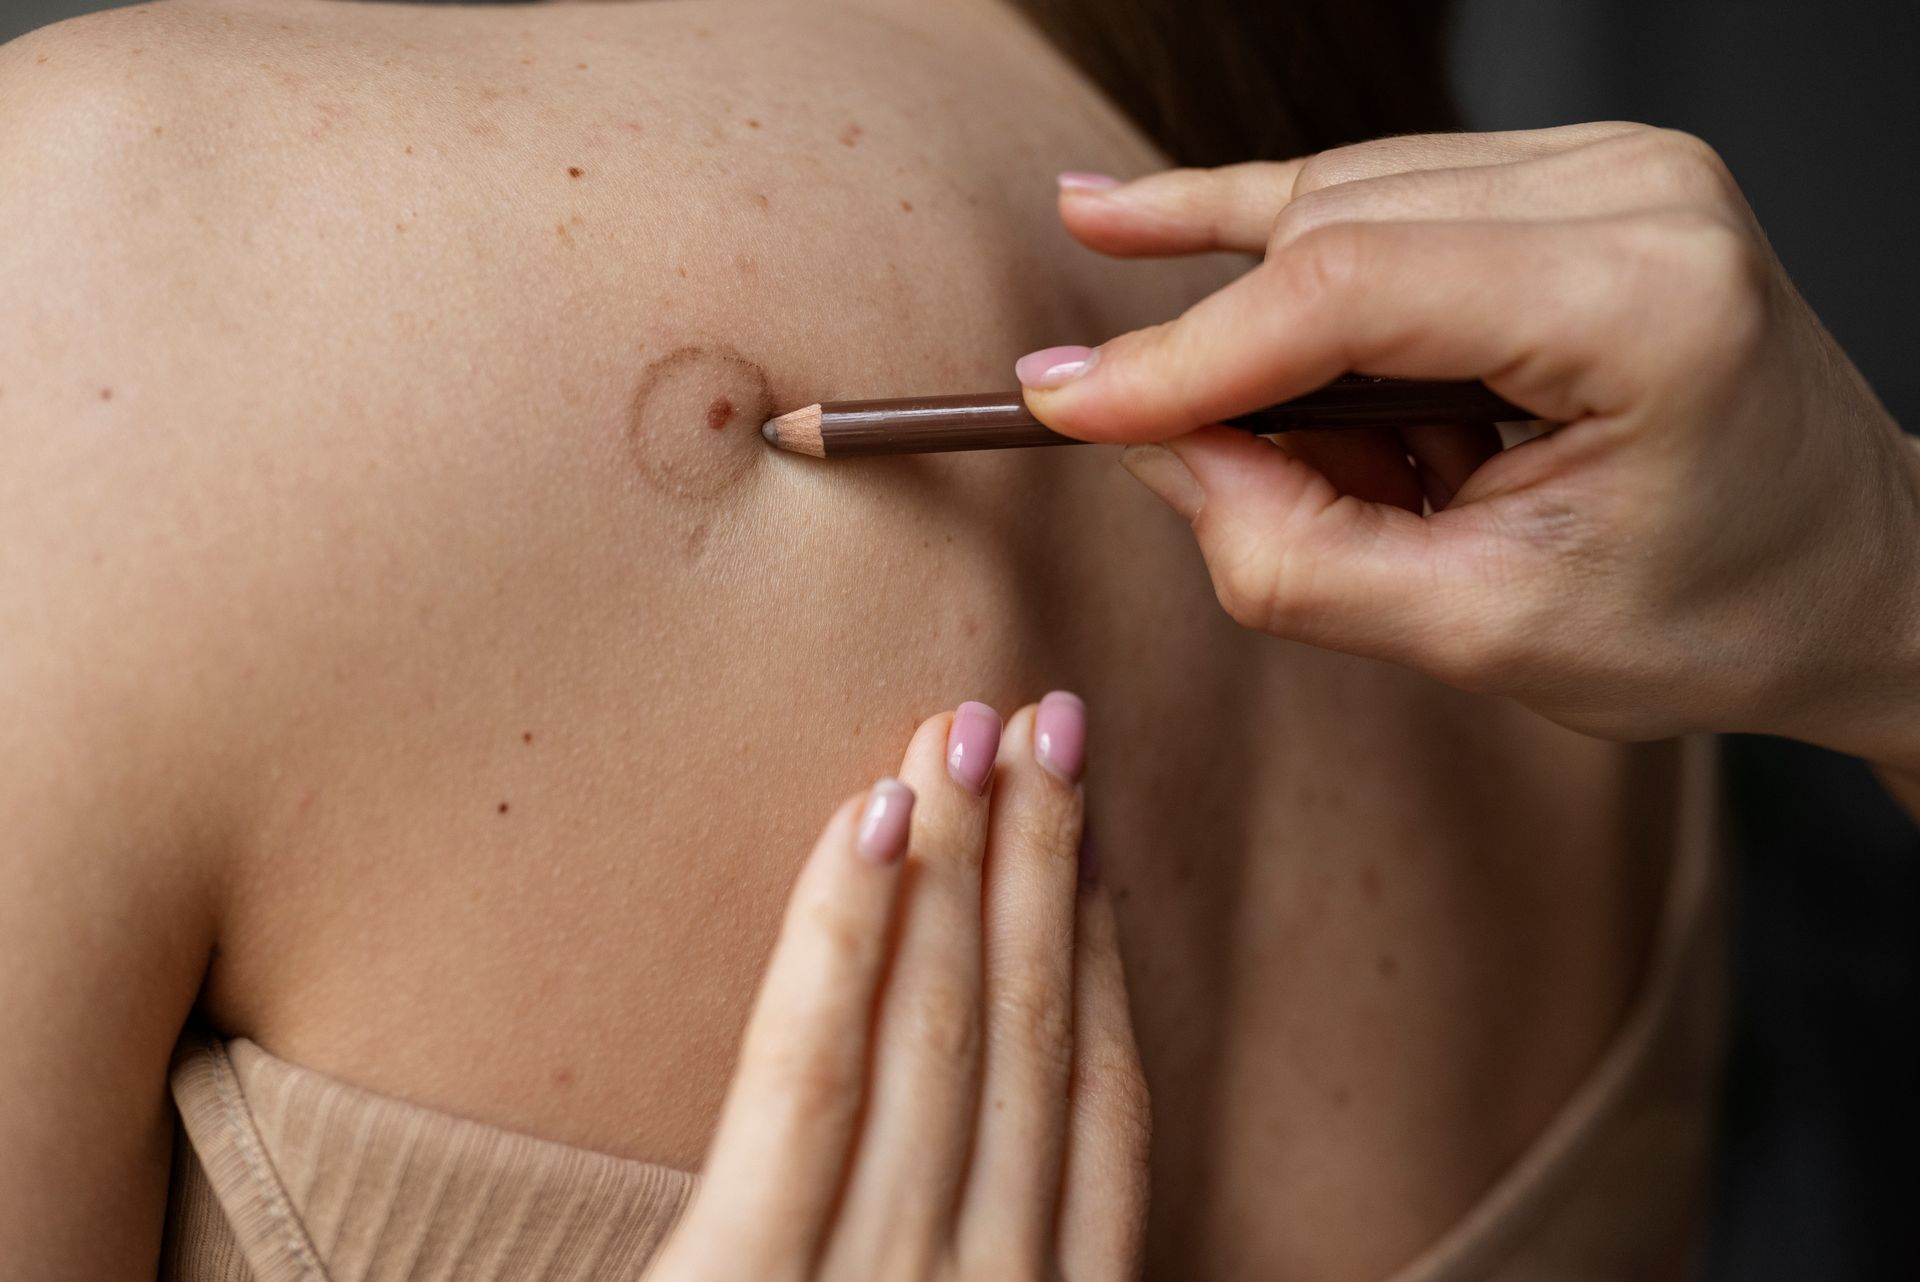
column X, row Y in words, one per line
column 1523, row 306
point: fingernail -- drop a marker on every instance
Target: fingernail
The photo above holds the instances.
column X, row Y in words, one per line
column 1160, row 470
column 1060, row 735
column 1089, row 859
column 1080, row 182
column 883, row 828
column 971, row 743
column 1052, row 367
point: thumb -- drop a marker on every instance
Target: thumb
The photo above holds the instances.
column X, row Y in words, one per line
column 1292, row 556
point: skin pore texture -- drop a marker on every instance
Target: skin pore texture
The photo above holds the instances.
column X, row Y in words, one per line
column 415, row 661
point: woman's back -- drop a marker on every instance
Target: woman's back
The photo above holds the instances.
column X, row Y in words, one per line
column 407, row 491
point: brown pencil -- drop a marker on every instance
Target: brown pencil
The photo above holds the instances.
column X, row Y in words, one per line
column 999, row 420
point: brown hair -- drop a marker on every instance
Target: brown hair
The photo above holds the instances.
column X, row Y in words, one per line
column 1218, row 81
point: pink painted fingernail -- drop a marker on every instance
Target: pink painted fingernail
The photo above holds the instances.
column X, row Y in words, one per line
column 971, row 743
column 1053, row 366
column 1060, row 735
column 883, row 828
column 1080, row 182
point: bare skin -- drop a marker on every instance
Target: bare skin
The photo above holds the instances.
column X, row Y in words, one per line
column 413, row 660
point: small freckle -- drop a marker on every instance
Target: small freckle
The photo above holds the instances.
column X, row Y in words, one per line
column 40, row 61
column 579, row 66
column 106, row 393
column 720, row 413
column 751, row 124
column 850, row 135
column 1342, row 1097
column 574, row 171
column 400, row 227
column 409, row 150
column 906, row 206
column 138, row 52
column 158, row 130
column 526, row 737
column 1388, row 966
column 501, row 808
column 681, row 272
column 563, row 1077
column 760, row 199
column 526, row 62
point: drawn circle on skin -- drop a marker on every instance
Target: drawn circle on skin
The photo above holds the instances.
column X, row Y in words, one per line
column 694, row 422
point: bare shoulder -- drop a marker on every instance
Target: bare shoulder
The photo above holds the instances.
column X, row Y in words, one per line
column 359, row 386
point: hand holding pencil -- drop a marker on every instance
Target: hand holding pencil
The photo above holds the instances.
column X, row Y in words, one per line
column 1723, row 534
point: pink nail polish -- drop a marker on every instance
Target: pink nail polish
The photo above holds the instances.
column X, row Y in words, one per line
column 1080, row 182
column 1060, row 735
column 1053, row 366
column 884, row 826
column 971, row 743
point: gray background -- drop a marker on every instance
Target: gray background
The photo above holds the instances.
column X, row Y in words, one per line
column 1815, row 107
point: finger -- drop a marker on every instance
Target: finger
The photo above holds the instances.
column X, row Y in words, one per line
column 900, row 1199
column 1542, row 312
column 1032, row 868
column 781, row 1151
column 1180, row 211
column 1234, row 207
column 1103, row 1193
column 1446, row 454
column 1643, row 169
column 1289, row 555
column 1418, row 152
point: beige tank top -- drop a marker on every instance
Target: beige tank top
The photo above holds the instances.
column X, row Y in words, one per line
column 284, row 1175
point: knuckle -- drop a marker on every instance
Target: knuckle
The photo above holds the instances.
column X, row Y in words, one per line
column 1682, row 169
column 1320, row 171
column 1320, row 267
column 847, row 939
column 1161, row 382
column 1245, row 596
column 815, row 1082
column 943, row 1023
column 1109, row 1080
column 1719, row 276
column 1301, row 215
column 1048, row 828
column 1037, row 1017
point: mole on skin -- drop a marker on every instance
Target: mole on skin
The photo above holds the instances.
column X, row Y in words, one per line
column 694, row 425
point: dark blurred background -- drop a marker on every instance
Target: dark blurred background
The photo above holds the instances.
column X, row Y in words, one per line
column 1814, row 106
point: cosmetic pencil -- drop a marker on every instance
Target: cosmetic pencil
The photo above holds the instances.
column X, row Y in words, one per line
column 1000, row 421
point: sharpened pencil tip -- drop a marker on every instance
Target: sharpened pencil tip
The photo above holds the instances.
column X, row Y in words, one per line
column 770, row 433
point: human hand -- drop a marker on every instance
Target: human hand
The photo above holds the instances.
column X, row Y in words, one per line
column 1722, row 535
column 939, row 1079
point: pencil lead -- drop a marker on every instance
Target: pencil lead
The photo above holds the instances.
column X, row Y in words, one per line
column 796, row 431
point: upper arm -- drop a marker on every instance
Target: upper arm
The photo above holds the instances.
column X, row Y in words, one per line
column 105, row 919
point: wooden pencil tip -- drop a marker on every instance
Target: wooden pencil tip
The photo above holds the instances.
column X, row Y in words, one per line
column 797, row 432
